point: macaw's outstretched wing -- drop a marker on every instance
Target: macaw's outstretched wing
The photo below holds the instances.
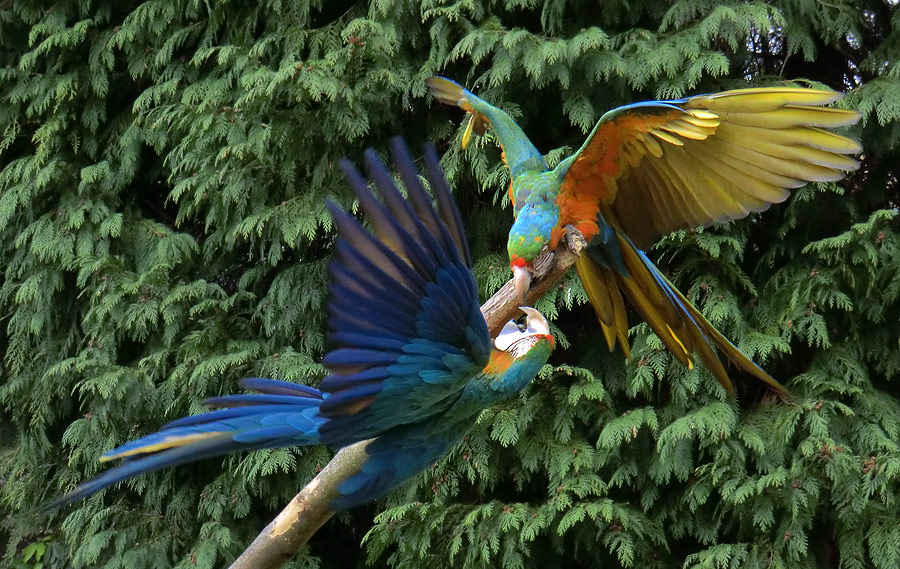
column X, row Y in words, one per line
column 404, row 309
column 658, row 166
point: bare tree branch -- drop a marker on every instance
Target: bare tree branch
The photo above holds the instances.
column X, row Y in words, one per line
column 311, row 508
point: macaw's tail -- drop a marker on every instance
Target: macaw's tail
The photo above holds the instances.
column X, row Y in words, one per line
column 453, row 94
column 281, row 414
column 672, row 317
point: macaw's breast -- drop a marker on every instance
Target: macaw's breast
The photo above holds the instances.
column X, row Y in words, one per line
column 536, row 215
column 498, row 363
column 579, row 212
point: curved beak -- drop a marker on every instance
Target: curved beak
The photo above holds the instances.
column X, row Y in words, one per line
column 522, row 280
column 512, row 333
column 535, row 322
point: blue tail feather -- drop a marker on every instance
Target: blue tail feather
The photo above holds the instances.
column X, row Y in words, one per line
column 251, row 399
column 221, row 415
column 279, row 387
column 286, row 415
column 171, row 457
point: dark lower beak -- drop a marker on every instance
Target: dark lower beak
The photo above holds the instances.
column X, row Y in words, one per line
column 522, row 280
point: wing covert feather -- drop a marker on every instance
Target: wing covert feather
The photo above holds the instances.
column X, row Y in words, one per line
column 666, row 165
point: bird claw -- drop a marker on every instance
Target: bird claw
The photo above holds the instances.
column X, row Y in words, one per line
column 575, row 239
column 542, row 262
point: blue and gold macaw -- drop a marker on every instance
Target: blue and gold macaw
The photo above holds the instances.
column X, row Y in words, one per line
column 412, row 362
column 653, row 167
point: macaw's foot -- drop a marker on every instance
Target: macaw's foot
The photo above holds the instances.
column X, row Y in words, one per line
column 543, row 262
column 575, row 239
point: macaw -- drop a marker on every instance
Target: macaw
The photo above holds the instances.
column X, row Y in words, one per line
column 412, row 362
column 654, row 167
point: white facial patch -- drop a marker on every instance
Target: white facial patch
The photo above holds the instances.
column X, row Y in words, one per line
column 517, row 340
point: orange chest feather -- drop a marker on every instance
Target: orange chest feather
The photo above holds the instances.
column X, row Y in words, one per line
column 498, row 363
column 578, row 209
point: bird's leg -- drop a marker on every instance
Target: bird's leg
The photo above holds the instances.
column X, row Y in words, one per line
column 575, row 239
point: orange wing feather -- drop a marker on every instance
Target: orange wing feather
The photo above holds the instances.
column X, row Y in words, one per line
column 668, row 165
column 592, row 178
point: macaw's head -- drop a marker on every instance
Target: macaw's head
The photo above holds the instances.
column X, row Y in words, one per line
column 518, row 340
column 529, row 237
column 520, row 351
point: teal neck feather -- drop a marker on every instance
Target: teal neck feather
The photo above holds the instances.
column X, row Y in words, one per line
column 497, row 387
column 521, row 155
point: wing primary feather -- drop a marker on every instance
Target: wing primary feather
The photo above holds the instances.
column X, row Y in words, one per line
column 397, row 320
column 343, row 285
column 772, row 169
column 404, row 214
column 336, row 382
column 360, row 244
column 359, row 340
column 709, row 199
column 383, row 223
column 384, row 301
column 446, row 206
column 405, row 166
column 733, row 181
column 395, row 224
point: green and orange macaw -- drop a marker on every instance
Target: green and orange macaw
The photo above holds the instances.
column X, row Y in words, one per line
column 654, row 167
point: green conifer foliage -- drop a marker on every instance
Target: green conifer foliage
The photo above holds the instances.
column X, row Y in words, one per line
column 163, row 170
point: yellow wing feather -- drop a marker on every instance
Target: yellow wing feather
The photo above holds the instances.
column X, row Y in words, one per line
column 713, row 158
column 168, row 442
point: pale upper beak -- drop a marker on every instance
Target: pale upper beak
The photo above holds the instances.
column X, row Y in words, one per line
column 522, row 281
column 535, row 324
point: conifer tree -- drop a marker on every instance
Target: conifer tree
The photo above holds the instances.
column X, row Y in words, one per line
column 163, row 170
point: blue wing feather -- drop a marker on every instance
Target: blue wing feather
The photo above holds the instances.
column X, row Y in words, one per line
column 403, row 162
column 363, row 249
column 368, row 341
column 373, row 283
column 393, row 222
column 420, row 252
column 404, row 218
column 446, row 208
column 367, row 375
column 407, row 337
